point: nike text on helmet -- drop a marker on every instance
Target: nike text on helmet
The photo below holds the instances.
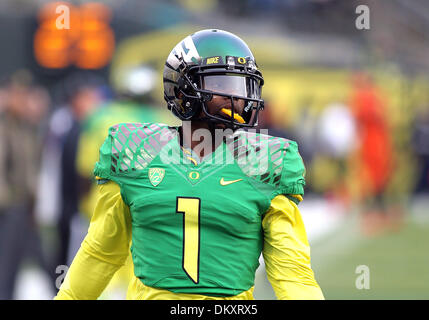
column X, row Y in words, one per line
column 213, row 62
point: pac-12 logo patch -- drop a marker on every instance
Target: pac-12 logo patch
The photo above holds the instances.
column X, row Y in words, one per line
column 156, row 175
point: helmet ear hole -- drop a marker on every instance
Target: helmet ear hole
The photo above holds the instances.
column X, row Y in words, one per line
column 183, row 87
column 178, row 93
column 207, row 97
column 191, row 108
column 181, row 83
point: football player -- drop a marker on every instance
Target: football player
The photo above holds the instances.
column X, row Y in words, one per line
column 198, row 204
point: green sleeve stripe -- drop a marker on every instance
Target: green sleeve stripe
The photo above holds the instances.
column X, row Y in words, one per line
column 292, row 199
column 102, row 181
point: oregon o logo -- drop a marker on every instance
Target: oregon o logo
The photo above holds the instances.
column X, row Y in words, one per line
column 194, row 175
column 241, row 60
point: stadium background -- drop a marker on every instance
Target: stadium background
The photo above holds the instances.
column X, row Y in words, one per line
column 357, row 102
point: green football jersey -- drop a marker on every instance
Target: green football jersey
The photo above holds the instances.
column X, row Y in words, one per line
column 197, row 226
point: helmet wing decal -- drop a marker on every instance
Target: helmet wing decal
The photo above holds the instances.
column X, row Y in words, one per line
column 187, row 50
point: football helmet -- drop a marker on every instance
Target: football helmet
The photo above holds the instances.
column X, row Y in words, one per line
column 213, row 62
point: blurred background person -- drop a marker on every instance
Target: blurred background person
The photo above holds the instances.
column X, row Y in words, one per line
column 337, row 141
column 375, row 156
column 58, row 186
column 83, row 93
column 21, row 122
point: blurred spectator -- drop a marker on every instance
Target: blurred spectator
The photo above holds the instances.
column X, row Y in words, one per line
column 336, row 142
column 25, row 106
column 83, row 94
column 375, row 150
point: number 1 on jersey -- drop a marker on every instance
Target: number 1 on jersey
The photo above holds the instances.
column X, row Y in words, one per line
column 190, row 208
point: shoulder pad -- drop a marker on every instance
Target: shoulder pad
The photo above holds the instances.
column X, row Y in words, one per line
column 270, row 160
column 132, row 146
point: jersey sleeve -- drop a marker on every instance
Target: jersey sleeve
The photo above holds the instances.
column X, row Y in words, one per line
column 104, row 249
column 286, row 252
column 292, row 178
column 102, row 169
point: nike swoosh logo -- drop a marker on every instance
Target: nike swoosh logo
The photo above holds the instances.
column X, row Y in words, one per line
column 225, row 183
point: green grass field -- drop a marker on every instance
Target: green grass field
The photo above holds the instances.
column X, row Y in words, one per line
column 398, row 262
